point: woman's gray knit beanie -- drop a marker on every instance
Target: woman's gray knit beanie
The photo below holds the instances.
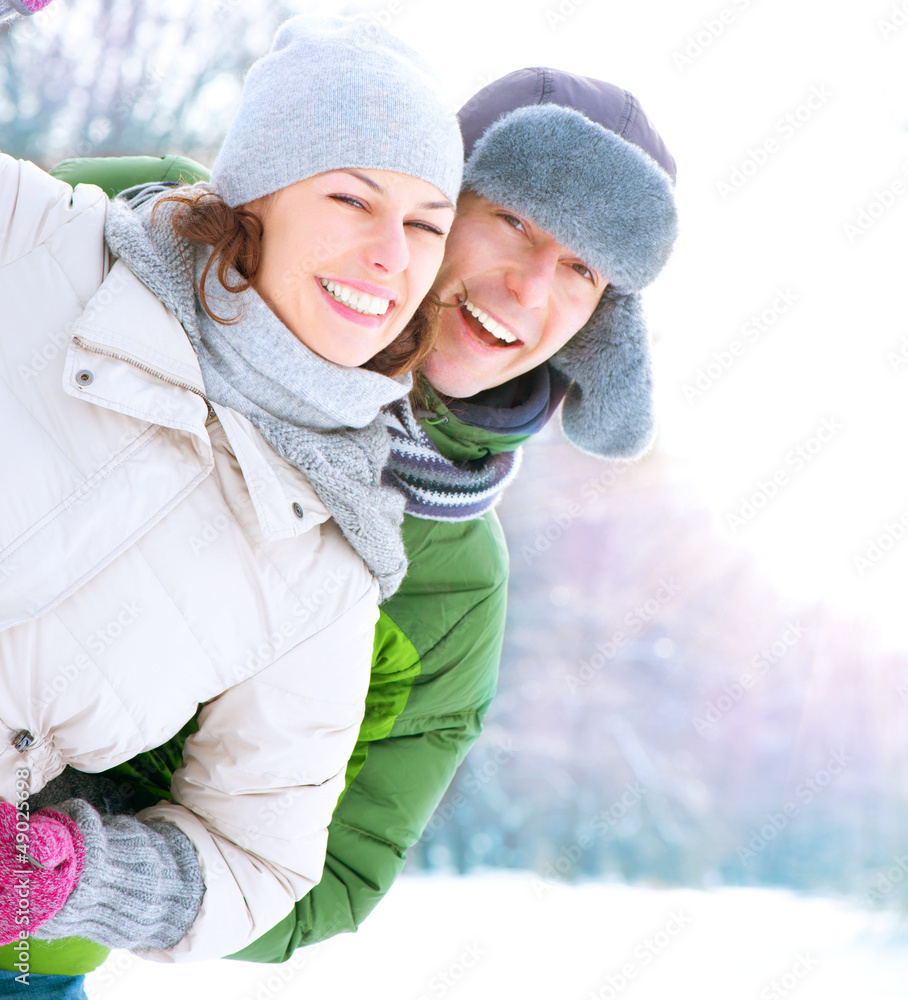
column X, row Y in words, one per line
column 337, row 92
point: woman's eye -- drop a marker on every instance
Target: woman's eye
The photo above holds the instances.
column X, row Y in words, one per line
column 428, row 227
column 347, row 199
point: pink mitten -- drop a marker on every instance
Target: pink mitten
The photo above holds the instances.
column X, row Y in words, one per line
column 12, row 10
column 37, row 874
column 32, row 6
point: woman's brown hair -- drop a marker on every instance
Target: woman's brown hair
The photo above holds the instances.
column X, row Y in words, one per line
column 235, row 238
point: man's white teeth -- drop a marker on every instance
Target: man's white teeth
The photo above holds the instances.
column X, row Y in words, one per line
column 368, row 305
column 494, row 327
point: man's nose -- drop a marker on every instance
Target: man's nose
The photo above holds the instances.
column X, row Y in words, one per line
column 530, row 278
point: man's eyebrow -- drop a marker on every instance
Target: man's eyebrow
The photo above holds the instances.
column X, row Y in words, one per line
column 377, row 187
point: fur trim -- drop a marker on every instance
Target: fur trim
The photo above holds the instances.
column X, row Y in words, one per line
column 613, row 205
column 596, row 193
column 608, row 411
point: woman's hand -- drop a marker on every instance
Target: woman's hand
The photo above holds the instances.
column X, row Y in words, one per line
column 40, row 863
column 24, row 7
column 12, row 9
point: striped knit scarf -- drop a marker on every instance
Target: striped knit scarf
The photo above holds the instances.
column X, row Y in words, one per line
column 435, row 487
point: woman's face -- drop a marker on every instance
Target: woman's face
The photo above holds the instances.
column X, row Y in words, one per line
column 348, row 255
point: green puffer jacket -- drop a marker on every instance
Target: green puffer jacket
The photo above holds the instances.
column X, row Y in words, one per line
column 434, row 671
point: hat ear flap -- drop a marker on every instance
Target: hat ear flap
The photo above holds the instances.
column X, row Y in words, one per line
column 608, row 408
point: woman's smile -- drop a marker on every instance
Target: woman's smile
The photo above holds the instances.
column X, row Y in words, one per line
column 358, row 302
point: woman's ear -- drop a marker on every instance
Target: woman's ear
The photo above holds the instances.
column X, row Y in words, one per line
column 259, row 206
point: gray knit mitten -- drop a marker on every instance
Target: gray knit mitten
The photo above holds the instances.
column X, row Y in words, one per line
column 141, row 885
column 107, row 792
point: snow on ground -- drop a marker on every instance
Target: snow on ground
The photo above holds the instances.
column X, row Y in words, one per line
column 508, row 935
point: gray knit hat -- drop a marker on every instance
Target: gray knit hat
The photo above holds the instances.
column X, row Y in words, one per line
column 580, row 159
column 337, row 92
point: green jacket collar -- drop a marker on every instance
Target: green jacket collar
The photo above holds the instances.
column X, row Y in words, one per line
column 459, row 441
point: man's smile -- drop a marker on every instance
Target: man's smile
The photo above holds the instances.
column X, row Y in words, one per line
column 487, row 329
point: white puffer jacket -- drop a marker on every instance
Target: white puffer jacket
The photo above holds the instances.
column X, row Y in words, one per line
column 155, row 555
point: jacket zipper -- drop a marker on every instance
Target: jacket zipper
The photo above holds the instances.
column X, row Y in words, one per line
column 430, row 416
column 94, row 349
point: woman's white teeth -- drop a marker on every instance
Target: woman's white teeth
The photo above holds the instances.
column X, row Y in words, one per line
column 361, row 302
column 493, row 326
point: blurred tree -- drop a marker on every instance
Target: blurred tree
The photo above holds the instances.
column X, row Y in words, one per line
column 108, row 78
column 645, row 651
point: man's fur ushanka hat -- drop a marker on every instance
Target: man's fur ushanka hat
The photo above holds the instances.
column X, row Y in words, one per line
column 580, row 159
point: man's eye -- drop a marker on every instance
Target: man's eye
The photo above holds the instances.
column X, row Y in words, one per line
column 512, row 220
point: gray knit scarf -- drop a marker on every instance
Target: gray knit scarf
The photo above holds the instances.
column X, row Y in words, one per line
column 322, row 418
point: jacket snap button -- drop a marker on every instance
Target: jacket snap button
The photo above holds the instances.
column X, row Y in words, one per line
column 297, row 510
column 23, row 740
column 84, row 377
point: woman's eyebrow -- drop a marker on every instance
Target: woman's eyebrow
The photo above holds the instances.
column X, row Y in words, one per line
column 377, row 187
column 437, row 204
column 366, row 180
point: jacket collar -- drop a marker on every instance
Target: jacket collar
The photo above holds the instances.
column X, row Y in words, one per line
column 460, row 441
column 124, row 324
column 125, row 318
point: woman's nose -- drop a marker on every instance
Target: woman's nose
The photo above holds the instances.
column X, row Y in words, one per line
column 388, row 251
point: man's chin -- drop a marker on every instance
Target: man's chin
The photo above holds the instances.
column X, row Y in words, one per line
column 451, row 386
column 457, row 384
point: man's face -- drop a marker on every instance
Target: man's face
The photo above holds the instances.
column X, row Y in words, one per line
column 527, row 295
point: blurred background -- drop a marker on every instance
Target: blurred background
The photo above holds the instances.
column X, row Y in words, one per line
column 705, row 676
